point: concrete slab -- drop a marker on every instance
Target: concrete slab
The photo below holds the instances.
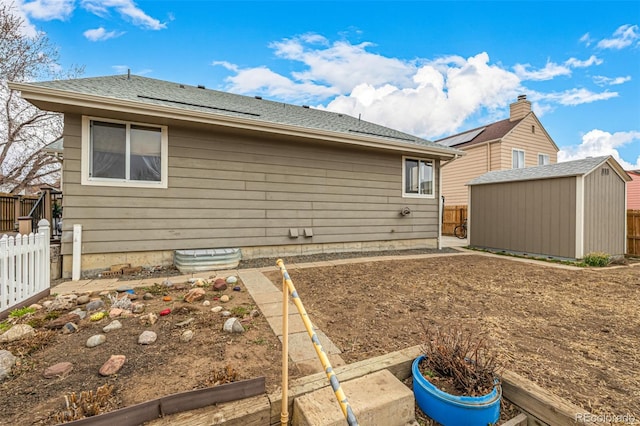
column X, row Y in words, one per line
column 301, row 348
column 275, row 309
column 295, row 324
column 312, row 366
column 255, row 282
column 377, row 399
column 271, row 297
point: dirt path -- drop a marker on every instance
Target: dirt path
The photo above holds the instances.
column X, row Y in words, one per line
column 576, row 333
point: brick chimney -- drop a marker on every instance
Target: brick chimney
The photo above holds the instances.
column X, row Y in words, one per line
column 520, row 108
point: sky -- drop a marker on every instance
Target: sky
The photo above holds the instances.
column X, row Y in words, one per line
column 429, row 68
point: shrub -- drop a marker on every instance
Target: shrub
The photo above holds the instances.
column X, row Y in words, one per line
column 597, row 259
column 18, row 313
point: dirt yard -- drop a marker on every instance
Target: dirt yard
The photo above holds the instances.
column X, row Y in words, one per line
column 576, row 333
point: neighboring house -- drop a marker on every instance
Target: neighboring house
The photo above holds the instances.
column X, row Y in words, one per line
column 564, row 210
column 153, row 166
column 633, row 190
column 516, row 142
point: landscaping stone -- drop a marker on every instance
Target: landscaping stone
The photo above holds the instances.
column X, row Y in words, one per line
column 113, row 365
column 60, row 369
column 148, row 296
column 232, row 280
column 96, row 340
column 167, row 283
column 95, row 305
column 79, row 312
column 137, row 308
column 185, row 322
column 83, row 300
column 225, row 313
column 220, row 285
column 123, row 288
column 113, row 325
column 237, row 288
column 63, row 302
column 62, row 320
column 254, row 313
column 206, row 303
column 147, row 337
column 35, row 306
column 149, row 318
column 186, row 336
column 7, row 361
column 217, row 309
column 69, row 328
column 233, row 325
column 194, row 295
column 17, row 332
column 46, row 304
column 224, row 298
column 115, row 312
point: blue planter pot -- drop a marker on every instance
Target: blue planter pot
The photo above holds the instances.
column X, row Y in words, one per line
column 451, row 410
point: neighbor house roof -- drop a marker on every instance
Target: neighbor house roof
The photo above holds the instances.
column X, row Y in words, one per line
column 180, row 101
column 490, row 132
column 568, row 168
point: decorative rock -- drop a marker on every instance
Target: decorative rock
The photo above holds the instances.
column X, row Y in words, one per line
column 149, row 318
column 237, row 288
column 216, row 309
column 233, row 325
column 166, row 299
column 124, row 288
column 232, row 280
column 131, row 296
column 115, row 312
column 104, row 293
column 7, row 361
column 185, row 322
column 206, row 303
column 194, row 295
column 148, row 296
column 113, row 365
column 60, row 369
column 95, row 305
column 224, row 298
column 113, row 325
column 83, row 300
column 96, row 340
column 63, row 302
column 97, row 316
column 35, row 306
column 254, row 313
column 137, row 308
column 62, row 320
column 80, row 313
column 225, row 313
column 198, row 282
column 167, row 283
column 147, row 337
column 186, row 336
column 47, row 303
column 180, row 287
column 17, row 332
column 165, row 312
column 69, row 328
column 220, row 285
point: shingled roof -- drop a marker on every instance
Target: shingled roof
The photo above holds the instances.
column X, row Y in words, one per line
column 565, row 169
column 489, row 132
column 153, row 92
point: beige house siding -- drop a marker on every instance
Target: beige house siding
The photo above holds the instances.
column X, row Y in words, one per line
column 517, row 216
column 532, row 143
column 241, row 189
column 456, row 174
column 604, row 213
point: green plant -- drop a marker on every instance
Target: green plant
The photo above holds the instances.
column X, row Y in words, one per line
column 20, row 312
column 52, row 315
column 239, row 311
column 4, row 326
column 597, row 259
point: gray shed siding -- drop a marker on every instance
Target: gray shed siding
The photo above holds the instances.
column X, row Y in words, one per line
column 604, row 214
column 517, row 216
column 235, row 190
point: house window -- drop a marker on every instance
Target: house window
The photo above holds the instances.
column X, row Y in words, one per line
column 122, row 153
column 518, row 159
column 543, row 159
column 418, row 178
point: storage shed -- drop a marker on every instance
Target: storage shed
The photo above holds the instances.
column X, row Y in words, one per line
column 563, row 210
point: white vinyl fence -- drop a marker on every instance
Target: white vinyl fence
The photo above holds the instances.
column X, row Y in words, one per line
column 24, row 266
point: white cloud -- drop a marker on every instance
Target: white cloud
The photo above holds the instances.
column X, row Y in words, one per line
column 227, row 65
column 574, row 97
column 586, row 39
column 601, row 80
column 126, row 8
column 552, row 70
column 623, row 37
column 597, row 142
column 100, row 34
column 27, row 29
column 576, row 63
column 47, row 10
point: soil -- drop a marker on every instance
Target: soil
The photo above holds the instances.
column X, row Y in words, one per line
column 576, row 333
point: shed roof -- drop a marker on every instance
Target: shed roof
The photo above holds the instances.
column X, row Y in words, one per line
column 564, row 169
column 159, row 93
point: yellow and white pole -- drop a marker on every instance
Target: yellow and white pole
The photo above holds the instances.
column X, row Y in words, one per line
column 326, row 364
column 284, row 413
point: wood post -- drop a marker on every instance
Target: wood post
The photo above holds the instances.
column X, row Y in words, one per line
column 24, row 225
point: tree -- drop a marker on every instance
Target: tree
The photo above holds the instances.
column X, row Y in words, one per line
column 24, row 129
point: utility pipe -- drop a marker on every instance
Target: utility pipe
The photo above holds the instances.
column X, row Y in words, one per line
column 326, row 364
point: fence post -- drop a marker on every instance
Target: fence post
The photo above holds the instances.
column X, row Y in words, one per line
column 45, row 233
column 24, row 225
column 17, row 211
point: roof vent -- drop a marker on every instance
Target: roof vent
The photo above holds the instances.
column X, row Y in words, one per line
column 182, row 86
column 305, row 106
column 258, row 97
column 200, row 86
column 522, row 97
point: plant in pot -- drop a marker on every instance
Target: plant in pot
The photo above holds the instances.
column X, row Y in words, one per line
column 455, row 380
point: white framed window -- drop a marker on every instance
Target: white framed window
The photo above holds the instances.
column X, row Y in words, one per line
column 417, row 178
column 543, row 159
column 518, row 159
column 124, row 153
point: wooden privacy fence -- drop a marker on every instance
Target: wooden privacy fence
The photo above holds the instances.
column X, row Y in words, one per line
column 452, row 216
column 633, row 232
column 12, row 207
column 24, row 268
column 18, row 211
